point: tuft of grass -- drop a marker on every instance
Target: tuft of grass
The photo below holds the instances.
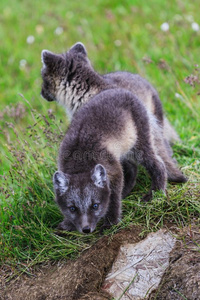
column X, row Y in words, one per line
column 118, row 36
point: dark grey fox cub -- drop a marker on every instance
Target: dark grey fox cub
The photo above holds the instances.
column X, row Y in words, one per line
column 70, row 79
column 112, row 128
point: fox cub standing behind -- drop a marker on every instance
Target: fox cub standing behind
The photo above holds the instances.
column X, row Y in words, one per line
column 111, row 128
column 70, row 79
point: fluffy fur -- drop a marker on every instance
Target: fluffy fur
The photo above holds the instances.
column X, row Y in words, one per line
column 70, row 79
column 111, row 132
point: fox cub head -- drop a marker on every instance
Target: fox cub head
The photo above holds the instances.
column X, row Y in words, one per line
column 59, row 70
column 83, row 198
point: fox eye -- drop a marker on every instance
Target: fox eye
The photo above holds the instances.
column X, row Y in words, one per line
column 72, row 208
column 95, row 206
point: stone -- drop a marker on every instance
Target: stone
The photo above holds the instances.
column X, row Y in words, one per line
column 139, row 267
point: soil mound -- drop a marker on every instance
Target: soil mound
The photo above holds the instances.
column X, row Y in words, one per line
column 83, row 278
column 80, row 279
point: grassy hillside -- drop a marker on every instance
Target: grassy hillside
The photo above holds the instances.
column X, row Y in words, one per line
column 128, row 35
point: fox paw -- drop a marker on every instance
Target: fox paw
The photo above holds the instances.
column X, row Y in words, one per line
column 104, row 227
column 147, row 197
column 66, row 226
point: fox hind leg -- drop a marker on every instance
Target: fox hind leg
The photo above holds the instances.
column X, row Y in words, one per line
column 173, row 173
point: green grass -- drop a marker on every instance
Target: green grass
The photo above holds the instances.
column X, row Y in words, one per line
column 118, row 37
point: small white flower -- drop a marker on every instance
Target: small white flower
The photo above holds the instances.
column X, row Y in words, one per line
column 164, row 26
column 30, row 39
column 22, row 63
column 58, row 31
column 118, row 43
column 177, row 95
column 195, row 26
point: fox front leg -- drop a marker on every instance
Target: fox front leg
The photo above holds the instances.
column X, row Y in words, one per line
column 113, row 215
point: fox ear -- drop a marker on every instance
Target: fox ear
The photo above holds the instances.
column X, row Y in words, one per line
column 79, row 47
column 61, row 182
column 49, row 59
column 99, row 176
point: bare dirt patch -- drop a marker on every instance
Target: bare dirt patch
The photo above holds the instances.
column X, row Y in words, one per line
column 80, row 279
column 83, row 278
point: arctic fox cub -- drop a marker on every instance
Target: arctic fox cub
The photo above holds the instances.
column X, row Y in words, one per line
column 111, row 128
column 70, row 79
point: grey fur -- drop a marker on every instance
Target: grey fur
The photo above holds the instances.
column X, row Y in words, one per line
column 109, row 133
column 70, row 80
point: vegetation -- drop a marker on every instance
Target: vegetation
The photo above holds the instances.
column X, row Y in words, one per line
column 129, row 35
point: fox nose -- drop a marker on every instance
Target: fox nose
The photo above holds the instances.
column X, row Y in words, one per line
column 86, row 229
